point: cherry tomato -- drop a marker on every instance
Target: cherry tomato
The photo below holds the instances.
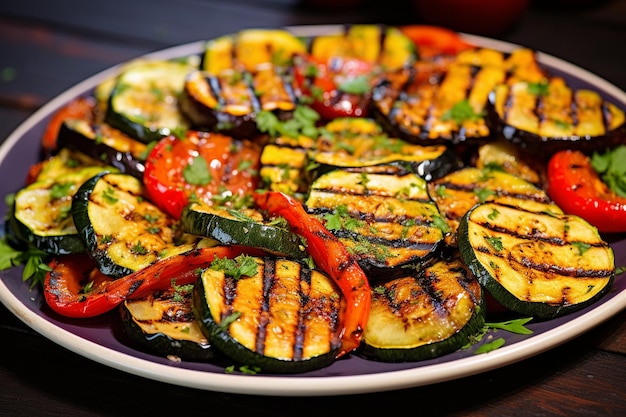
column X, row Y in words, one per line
column 210, row 167
column 575, row 186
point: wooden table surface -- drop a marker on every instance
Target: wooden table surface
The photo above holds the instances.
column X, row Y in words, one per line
column 47, row 46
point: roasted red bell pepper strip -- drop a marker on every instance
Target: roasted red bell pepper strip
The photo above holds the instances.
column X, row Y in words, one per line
column 204, row 166
column 332, row 257
column 576, row 187
column 73, row 288
column 435, row 40
column 79, row 108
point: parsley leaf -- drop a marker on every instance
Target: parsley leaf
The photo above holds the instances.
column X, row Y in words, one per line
column 197, row 172
column 242, row 265
column 461, row 112
column 611, row 168
column 357, row 85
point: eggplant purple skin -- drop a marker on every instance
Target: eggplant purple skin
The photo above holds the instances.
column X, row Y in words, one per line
column 544, row 147
column 125, row 162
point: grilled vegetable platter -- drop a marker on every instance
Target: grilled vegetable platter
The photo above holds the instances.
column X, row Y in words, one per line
column 271, row 203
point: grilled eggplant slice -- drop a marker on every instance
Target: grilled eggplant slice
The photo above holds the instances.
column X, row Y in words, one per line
column 536, row 264
column 279, row 317
column 456, row 193
column 143, row 102
column 245, row 227
column 386, row 221
column 101, row 141
column 228, row 102
column 424, row 315
column 548, row 116
column 164, row 323
column 443, row 100
column 121, row 229
column 361, row 143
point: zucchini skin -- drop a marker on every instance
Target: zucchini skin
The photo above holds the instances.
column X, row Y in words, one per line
column 424, row 315
column 164, row 323
column 536, row 264
column 289, row 317
column 242, row 229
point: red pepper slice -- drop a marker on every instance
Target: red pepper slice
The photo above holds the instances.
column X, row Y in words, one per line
column 576, row 187
column 323, row 82
column 332, row 257
column 435, row 40
column 65, row 285
column 221, row 167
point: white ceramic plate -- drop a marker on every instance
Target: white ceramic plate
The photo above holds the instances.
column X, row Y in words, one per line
column 100, row 341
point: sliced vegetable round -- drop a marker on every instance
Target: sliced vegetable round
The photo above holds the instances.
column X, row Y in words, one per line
column 272, row 314
column 424, row 315
column 42, row 212
column 542, row 265
column 245, row 227
column 144, row 100
column 164, row 323
column 549, row 116
column 122, row 230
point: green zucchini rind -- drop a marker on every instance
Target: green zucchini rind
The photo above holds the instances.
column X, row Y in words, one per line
column 241, row 227
column 283, row 318
column 122, row 230
column 163, row 323
column 424, row 315
column 387, row 221
column 42, row 214
column 143, row 102
column 542, row 265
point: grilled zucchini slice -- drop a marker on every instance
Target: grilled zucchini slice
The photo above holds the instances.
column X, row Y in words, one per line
column 121, row 229
column 549, row 116
column 285, row 165
column 456, row 193
column 42, row 213
column 424, row 315
column 143, row 102
column 164, row 323
column 361, row 143
column 386, row 221
column 536, row 264
column 279, row 317
column 245, row 227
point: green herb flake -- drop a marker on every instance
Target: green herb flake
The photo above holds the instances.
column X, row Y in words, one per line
column 491, row 346
column 231, row 318
column 358, row 85
column 197, row 172
column 611, row 168
column 495, row 242
column 538, row 88
column 582, row 247
column 242, row 265
column 516, row 326
column 462, row 111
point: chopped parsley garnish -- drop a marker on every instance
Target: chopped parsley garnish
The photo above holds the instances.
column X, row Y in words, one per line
column 612, row 169
column 197, row 172
column 242, row 265
column 461, row 112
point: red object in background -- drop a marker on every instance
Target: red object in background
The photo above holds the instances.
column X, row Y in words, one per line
column 481, row 17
